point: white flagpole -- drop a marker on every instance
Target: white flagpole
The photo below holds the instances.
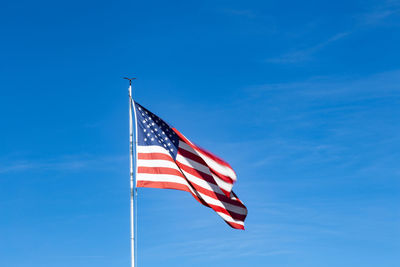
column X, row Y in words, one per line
column 131, row 175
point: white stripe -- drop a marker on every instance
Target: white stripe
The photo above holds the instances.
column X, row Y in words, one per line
column 199, row 181
column 224, row 205
column 221, row 183
column 229, row 218
column 217, row 202
column 185, row 161
column 152, row 149
column 222, row 169
column 190, row 163
column 161, row 178
column 180, row 180
column 202, row 183
column 193, row 164
column 164, row 178
column 157, row 149
column 156, row 163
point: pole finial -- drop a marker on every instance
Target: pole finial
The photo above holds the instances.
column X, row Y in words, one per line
column 130, row 80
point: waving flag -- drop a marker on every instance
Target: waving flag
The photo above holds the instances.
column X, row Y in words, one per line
column 167, row 159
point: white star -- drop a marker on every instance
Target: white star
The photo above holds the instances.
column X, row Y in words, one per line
column 165, row 138
column 148, row 134
column 145, row 139
column 152, row 123
column 169, row 144
column 172, row 150
column 139, row 108
column 155, row 129
column 152, row 139
column 144, row 130
column 144, row 121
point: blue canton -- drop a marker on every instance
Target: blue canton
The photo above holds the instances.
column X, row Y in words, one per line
column 153, row 131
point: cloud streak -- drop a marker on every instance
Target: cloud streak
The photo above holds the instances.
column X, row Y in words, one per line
column 241, row 12
column 380, row 13
column 305, row 54
column 382, row 84
column 66, row 163
column 374, row 17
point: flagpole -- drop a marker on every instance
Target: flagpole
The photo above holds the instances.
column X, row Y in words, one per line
column 132, row 202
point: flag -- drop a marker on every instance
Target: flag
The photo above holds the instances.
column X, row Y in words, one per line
column 165, row 158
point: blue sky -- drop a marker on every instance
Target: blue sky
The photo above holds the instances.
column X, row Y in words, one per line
column 302, row 98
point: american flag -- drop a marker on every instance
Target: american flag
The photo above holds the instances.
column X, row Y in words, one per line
column 167, row 159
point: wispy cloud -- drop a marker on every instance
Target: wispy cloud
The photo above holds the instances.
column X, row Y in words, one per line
column 379, row 84
column 241, row 12
column 378, row 14
column 250, row 21
column 251, row 244
column 288, row 225
column 373, row 17
column 69, row 163
column 305, row 54
column 353, row 117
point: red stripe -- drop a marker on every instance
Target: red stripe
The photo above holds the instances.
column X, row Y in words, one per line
column 233, row 215
column 160, row 170
column 196, row 188
column 162, row 185
column 215, row 158
column 178, row 186
column 206, row 177
column 212, row 194
column 219, row 197
column 222, row 177
column 235, row 225
column 234, row 195
column 209, row 154
column 191, row 156
column 155, row 156
column 169, row 185
column 198, row 159
column 201, row 175
column 197, row 173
